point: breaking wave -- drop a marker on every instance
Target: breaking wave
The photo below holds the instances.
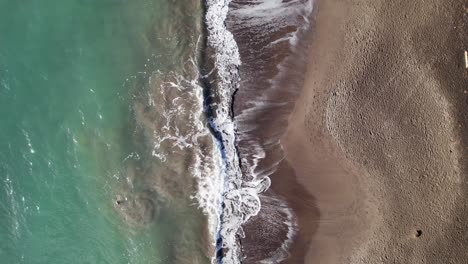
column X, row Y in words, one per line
column 187, row 153
column 240, row 200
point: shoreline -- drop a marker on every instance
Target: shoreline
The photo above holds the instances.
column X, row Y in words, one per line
column 325, row 171
column 389, row 188
column 270, row 82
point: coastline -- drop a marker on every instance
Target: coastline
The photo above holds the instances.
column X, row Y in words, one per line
column 269, row 35
column 380, row 117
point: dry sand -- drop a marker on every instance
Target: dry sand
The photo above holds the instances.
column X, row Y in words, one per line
column 379, row 135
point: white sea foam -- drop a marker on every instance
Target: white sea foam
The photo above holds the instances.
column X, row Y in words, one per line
column 282, row 252
column 273, row 9
column 13, row 207
column 240, row 198
column 276, row 14
column 225, row 195
column 270, row 15
column 178, row 101
column 28, row 141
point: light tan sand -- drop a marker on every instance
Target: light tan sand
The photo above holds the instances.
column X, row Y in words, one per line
column 379, row 133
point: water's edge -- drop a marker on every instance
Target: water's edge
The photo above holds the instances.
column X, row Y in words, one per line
column 240, row 200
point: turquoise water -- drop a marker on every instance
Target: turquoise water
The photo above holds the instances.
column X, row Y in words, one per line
column 66, row 71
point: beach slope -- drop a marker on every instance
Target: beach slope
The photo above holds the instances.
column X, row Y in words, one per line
column 378, row 135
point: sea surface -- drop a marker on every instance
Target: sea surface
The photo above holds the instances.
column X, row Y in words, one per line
column 69, row 75
column 120, row 137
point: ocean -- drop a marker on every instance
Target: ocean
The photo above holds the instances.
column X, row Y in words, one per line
column 119, row 141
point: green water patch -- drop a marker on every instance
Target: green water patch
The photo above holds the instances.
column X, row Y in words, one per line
column 66, row 70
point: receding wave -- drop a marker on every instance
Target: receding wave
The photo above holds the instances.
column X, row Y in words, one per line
column 191, row 165
column 272, row 37
column 240, row 199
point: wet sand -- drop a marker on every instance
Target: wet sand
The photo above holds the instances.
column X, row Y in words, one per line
column 272, row 74
column 378, row 135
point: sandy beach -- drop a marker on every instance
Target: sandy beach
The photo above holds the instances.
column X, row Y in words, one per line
column 378, row 135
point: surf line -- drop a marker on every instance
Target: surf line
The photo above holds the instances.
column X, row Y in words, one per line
column 220, row 79
column 214, row 101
